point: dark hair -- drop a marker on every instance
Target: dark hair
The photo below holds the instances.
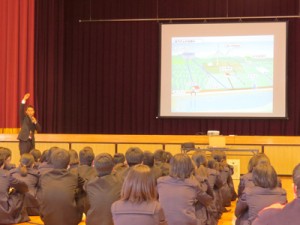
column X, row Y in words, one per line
column 29, row 106
column 2, row 160
column 49, row 154
column 168, row 156
column 26, row 161
column 159, row 155
column 134, row 156
column 139, row 185
column 60, row 158
column 199, row 158
column 296, row 176
column 74, row 160
column 36, row 154
column 86, row 156
column 6, row 152
column 264, row 176
column 148, row 158
column 104, row 164
column 45, row 156
column 181, row 166
column 119, row 158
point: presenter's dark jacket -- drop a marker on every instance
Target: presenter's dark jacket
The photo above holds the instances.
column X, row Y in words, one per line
column 27, row 127
column 102, row 192
column 58, row 190
column 31, row 179
column 288, row 215
column 255, row 199
column 11, row 203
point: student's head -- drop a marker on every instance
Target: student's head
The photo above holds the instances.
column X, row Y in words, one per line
column 103, row 164
column 148, row 158
column 181, row 166
column 26, row 161
column 199, row 158
column 168, row 156
column 119, row 158
column 134, row 156
column 212, row 164
column 29, row 110
column 60, row 158
column 45, row 156
column 86, row 156
column 159, row 155
column 139, row 185
column 217, row 155
column 74, row 160
column 49, row 154
column 36, row 154
column 2, row 160
column 296, row 178
column 264, row 176
column 261, row 158
column 6, row 153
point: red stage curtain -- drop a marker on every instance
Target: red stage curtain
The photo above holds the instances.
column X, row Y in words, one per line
column 16, row 58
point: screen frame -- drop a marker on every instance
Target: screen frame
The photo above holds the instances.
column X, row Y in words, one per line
column 223, row 115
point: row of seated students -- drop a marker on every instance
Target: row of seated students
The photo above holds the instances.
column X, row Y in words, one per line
column 188, row 190
column 149, row 188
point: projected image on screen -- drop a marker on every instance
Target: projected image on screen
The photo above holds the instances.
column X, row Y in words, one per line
column 224, row 74
column 235, row 70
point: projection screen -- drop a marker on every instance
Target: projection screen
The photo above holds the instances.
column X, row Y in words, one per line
column 231, row 70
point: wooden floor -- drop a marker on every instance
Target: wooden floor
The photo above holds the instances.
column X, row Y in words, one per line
column 227, row 218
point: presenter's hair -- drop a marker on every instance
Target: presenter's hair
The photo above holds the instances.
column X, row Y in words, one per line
column 139, row 185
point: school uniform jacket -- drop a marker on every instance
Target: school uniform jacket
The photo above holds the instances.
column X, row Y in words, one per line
column 11, row 203
column 101, row 193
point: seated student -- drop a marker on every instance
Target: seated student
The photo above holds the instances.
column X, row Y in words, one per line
column 225, row 174
column 201, row 174
column 247, row 180
column 74, row 161
column 86, row 158
column 102, row 191
column 149, row 161
column 279, row 214
column 58, row 189
column 263, row 194
column 119, row 161
column 46, row 164
column 216, row 209
column 133, row 156
column 160, row 158
column 179, row 192
column 37, row 156
column 138, row 204
column 214, row 183
column 12, row 193
column 26, row 173
column 6, row 152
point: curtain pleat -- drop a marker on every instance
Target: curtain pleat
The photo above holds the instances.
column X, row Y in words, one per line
column 16, row 59
column 103, row 77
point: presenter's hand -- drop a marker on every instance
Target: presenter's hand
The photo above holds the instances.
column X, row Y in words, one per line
column 33, row 119
column 26, row 96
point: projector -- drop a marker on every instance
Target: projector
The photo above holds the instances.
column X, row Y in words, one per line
column 213, row 132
